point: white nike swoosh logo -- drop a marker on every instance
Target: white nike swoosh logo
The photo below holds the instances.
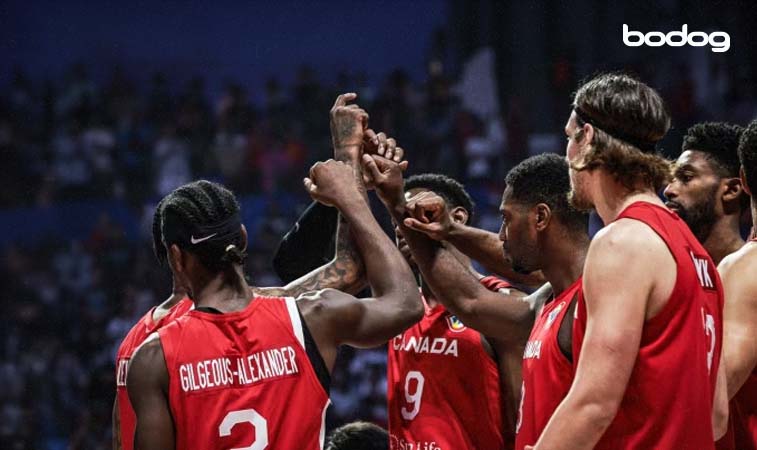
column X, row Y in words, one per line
column 197, row 241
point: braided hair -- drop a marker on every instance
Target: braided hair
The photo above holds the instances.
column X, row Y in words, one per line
column 201, row 217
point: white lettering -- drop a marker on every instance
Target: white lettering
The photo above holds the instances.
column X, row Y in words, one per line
column 720, row 41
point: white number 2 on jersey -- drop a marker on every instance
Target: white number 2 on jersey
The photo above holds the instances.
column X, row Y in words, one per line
column 250, row 416
column 709, row 330
column 413, row 399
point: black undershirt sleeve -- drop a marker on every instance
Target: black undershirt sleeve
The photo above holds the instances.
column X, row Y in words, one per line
column 309, row 244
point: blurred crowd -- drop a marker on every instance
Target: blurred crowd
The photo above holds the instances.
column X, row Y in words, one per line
column 67, row 304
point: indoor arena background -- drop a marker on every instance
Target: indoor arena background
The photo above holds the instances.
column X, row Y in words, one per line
column 104, row 108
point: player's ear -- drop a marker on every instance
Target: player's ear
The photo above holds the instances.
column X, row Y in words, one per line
column 176, row 259
column 459, row 215
column 543, row 216
column 744, row 186
column 244, row 238
column 733, row 189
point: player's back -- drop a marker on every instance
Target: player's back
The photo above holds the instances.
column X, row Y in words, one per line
column 669, row 398
column 134, row 338
column 443, row 387
column 244, row 379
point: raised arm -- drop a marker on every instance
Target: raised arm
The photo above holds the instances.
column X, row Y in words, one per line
column 345, row 271
column 336, row 318
column 495, row 314
column 486, row 248
column 740, row 312
column 616, row 295
column 147, row 385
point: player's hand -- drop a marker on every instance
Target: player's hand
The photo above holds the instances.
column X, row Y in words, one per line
column 385, row 176
column 428, row 214
column 348, row 124
column 332, row 183
column 380, row 144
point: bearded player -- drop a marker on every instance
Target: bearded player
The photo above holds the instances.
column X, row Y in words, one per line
column 649, row 326
column 706, row 191
column 740, row 285
column 341, row 272
column 540, row 231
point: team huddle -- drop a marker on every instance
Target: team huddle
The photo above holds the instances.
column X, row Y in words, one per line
column 642, row 337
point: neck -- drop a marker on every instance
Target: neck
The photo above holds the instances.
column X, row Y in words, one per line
column 611, row 198
column 225, row 291
column 754, row 219
column 565, row 256
column 724, row 239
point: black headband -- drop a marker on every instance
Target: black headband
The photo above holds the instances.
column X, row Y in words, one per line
column 188, row 235
column 644, row 146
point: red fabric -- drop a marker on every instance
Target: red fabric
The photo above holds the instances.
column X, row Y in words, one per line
column 669, row 398
column 443, row 387
column 134, row 338
column 547, row 372
column 239, row 379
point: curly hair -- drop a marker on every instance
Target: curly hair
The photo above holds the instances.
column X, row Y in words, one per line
column 448, row 188
column 544, row 179
column 719, row 141
column 629, row 118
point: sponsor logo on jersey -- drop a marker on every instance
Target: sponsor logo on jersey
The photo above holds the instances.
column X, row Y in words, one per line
column 121, row 370
column 455, row 324
column 434, row 346
column 533, row 350
column 553, row 315
column 399, row 443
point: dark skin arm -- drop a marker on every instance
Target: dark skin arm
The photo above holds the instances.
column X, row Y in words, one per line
column 506, row 318
column 486, row 248
column 116, row 426
column 147, row 384
column 345, row 271
column 336, row 318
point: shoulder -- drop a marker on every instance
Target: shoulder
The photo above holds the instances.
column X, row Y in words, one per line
column 627, row 238
column 149, row 351
column 742, row 260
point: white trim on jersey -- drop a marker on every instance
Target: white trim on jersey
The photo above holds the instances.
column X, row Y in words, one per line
column 294, row 316
column 322, row 436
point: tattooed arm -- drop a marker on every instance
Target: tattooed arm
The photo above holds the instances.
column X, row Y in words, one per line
column 345, row 272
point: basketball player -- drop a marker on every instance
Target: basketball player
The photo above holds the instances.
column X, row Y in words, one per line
column 124, row 420
column 540, row 231
column 706, row 191
column 195, row 394
column 358, row 436
column 342, row 272
column 649, row 324
column 740, row 285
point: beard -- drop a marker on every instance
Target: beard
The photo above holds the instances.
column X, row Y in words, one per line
column 700, row 217
column 577, row 197
column 519, row 265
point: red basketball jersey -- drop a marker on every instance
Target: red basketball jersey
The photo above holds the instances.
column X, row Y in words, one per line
column 134, row 338
column 669, row 398
column 243, row 379
column 443, row 387
column 547, row 372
